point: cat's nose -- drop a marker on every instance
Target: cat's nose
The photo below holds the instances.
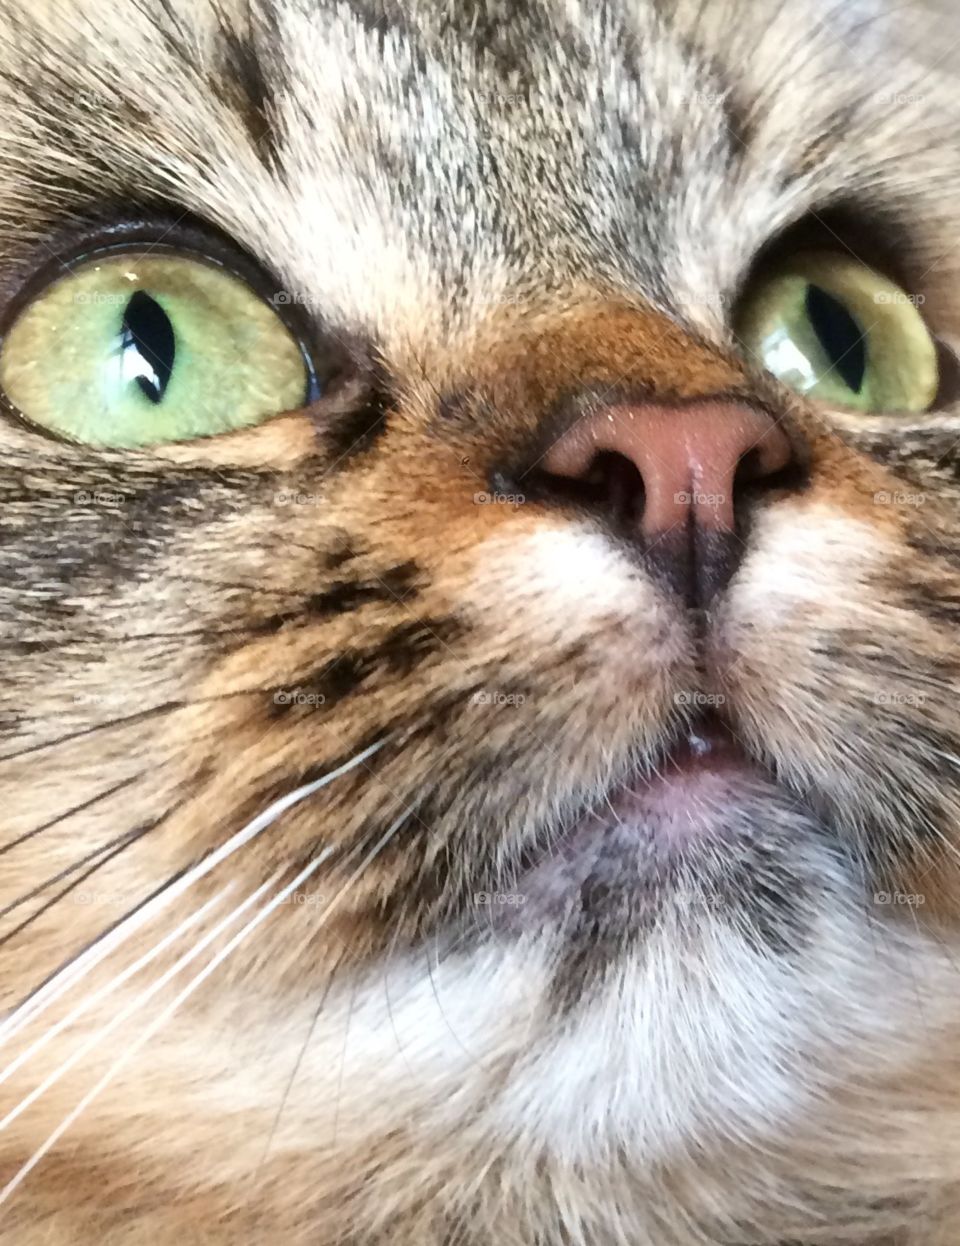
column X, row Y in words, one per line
column 674, row 477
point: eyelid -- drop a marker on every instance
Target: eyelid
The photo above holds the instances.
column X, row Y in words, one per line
column 40, row 264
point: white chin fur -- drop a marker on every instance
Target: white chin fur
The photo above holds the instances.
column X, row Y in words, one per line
column 687, row 1039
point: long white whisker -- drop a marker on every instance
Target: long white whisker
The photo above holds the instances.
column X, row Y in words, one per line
column 79, row 968
column 109, row 987
column 161, row 1020
column 377, row 847
column 135, row 1004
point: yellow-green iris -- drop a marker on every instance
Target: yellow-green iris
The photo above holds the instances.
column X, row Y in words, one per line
column 842, row 333
column 133, row 350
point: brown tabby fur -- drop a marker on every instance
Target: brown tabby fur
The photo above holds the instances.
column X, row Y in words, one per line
column 498, row 217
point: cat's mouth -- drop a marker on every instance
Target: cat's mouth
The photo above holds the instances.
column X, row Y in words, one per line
column 705, row 772
column 706, row 808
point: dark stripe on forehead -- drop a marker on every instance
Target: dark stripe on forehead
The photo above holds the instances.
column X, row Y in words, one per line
column 506, row 34
column 718, row 92
column 250, row 80
column 829, row 136
column 502, row 34
column 386, row 17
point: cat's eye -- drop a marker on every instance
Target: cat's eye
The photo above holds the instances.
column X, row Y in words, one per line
column 134, row 349
column 840, row 332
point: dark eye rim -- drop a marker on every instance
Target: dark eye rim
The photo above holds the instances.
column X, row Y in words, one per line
column 876, row 239
column 326, row 357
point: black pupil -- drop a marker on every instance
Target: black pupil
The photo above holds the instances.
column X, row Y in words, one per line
column 148, row 331
column 840, row 335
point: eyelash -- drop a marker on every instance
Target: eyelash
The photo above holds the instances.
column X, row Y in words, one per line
column 327, row 358
column 879, row 240
column 36, row 268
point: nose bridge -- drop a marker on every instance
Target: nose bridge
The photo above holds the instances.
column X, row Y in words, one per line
column 538, row 361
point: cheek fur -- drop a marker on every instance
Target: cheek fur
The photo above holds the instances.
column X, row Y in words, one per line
column 382, row 1065
column 851, row 689
column 556, row 584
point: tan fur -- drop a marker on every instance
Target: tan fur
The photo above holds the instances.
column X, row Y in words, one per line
column 500, row 225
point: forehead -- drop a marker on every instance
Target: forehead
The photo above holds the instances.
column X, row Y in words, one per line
column 408, row 169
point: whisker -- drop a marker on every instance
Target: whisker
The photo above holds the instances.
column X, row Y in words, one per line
column 299, row 1060
column 186, row 633
column 69, row 813
column 78, row 965
column 140, row 715
column 77, row 968
column 165, row 707
column 108, row 988
column 168, row 706
column 225, row 584
column 119, row 840
column 137, row 1003
column 126, row 841
column 378, row 846
column 241, row 586
column 232, row 944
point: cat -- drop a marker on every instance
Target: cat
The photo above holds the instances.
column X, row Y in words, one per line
column 480, row 582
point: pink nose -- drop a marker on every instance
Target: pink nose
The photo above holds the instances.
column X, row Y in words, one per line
column 691, row 464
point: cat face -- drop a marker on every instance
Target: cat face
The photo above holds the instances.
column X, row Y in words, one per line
column 496, row 751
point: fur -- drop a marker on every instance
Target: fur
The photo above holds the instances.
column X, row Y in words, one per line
column 477, row 214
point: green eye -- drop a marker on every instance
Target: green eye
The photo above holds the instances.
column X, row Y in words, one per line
column 840, row 332
column 132, row 350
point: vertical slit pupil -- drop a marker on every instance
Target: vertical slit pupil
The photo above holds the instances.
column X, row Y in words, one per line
column 148, row 331
column 840, row 335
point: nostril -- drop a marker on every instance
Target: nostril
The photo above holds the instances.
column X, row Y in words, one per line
column 623, row 489
column 611, row 484
column 652, row 470
column 753, row 474
column 754, row 482
column 749, row 468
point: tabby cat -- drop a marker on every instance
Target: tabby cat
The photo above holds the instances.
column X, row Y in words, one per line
column 480, row 587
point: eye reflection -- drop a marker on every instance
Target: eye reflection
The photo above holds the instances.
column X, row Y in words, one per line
column 146, row 348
